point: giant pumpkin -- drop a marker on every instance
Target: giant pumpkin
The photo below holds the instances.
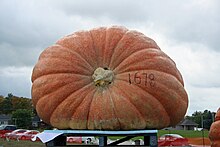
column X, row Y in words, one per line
column 214, row 133
column 108, row 78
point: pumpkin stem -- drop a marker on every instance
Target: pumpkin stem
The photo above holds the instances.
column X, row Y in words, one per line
column 102, row 76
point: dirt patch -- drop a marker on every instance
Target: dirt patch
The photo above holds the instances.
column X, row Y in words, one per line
column 199, row 141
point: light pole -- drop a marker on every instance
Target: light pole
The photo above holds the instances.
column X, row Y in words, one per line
column 213, row 117
column 202, row 121
column 203, row 141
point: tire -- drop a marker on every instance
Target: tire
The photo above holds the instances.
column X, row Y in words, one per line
column 88, row 140
column 23, row 137
column 70, row 140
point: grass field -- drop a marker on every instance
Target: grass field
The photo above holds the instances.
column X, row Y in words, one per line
column 11, row 143
column 186, row 134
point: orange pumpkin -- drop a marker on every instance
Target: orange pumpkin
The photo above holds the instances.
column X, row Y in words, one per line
column 214, row 133
column 108, row 78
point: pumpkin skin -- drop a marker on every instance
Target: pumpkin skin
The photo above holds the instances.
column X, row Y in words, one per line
column 145, row 91
column 214, row 132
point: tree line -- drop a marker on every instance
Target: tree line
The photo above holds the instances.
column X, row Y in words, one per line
column 20, row 109
column 204, row 119
column 11, row 103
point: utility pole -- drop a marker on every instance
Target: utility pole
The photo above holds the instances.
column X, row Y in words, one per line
column 202, row 121
column 203, row 141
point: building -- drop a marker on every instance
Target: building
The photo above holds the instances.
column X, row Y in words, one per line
column 35, row 121
column 186, row 124
column 5, row 119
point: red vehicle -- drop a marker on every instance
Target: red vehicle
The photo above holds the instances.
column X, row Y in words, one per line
column 172, row 140
column 12, row 134
column 81, row 139
column 71, row 139
column 26, row 135
column 6, row 129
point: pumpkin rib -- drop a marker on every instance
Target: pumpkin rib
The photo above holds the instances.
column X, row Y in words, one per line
column 156, row 96
column 113, row 51
column 51, row 92
column 66, row 108
column 113, row 104
column 113, row 36
column 80, row 42
column 128, row 100
column 45, row 96
column 166, row 86
column 150, row 71
column 133, row 38
column 57, row 73
column 78, row 54
column 71, row 93
column 140, row 50
column 173, row 91
column 122, row 102
column 147, row 93
column 102, row 62
column 93, row 46
column 48, row 92
column 67, row 50
column 168, row 75
column 104, row 52
column 132, row 54
column 52, row 73
column 98, row 49
column 86, row 97
column 61, row 67
column 104, row 119
column 151, row 95
column 87, row 124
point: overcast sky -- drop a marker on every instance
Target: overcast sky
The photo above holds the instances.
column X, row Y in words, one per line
column 188, row 31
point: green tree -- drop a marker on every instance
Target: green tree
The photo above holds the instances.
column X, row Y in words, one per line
column 6, row 106
column 12, row 103
column 204, row 119
column 22, row 118
column 10, row 95
column 21, row 103
column 1, row 104
column 207, row 119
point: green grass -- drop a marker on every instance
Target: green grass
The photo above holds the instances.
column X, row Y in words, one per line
column 184, row 133
column 12, row 143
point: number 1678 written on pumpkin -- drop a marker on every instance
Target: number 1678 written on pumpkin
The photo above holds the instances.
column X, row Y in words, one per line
column 148, row 79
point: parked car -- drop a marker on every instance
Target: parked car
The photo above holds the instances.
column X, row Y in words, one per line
column 81, row 139
column 12, row 135
column 26, row 135
column 6, row 129
column 172, row 140
column 73, row 139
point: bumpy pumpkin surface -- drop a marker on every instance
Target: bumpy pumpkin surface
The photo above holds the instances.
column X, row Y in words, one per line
column 108, row 78
column 214, row 133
